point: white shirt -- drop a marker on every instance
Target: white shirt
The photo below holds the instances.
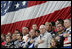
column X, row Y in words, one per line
column 47, row 40
column 25, row 38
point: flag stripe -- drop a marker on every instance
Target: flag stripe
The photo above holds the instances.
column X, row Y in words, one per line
column 34, row 11
column 62, row 13
column 32, row 3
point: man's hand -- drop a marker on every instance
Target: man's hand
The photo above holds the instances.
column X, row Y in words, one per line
column 40, row 41
column 57, row 38
column 32, row 41
column 66, row 34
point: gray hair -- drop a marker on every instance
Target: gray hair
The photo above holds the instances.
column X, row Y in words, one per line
column 25, row 28
column 43, row 26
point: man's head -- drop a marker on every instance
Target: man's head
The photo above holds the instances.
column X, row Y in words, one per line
column 25, row 30
column 8, row 39
column 19, row 36
column 48, row 26
column 17, row 31
column 34, row 26
column 60, row 27
column 67, row 23
column 14, row 36
column 32, row 33
column 42, row 29
column 2, row 36
column 59, row 21
column 9, row 33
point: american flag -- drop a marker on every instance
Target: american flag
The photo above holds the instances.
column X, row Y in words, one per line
column 17, row 14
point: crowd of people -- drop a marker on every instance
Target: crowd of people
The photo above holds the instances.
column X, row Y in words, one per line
column 49, row 35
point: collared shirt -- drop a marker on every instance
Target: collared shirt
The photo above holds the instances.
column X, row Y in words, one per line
column 46, row 38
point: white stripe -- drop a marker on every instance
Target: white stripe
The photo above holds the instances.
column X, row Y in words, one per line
column 66, row 42
column 67, row 45
column 34, row 11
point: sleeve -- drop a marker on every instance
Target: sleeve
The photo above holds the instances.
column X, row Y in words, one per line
column 49, row 40
column 36, row 43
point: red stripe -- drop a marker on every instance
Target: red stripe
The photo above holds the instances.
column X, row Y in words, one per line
column 63, row 14
column 32, row 3
column 68, row 43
